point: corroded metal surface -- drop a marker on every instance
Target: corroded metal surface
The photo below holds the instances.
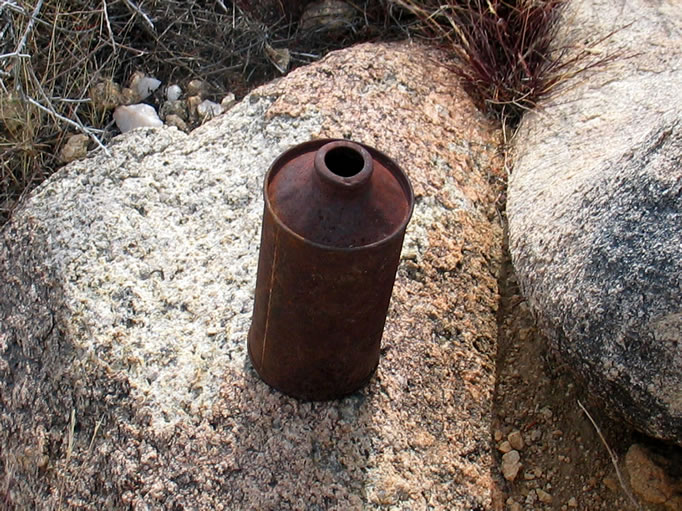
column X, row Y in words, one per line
column 333, row 226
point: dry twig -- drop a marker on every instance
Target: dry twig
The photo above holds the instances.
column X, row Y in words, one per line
column 134, row 7
column 76, row 124
column 612, row 455
column 29, row 27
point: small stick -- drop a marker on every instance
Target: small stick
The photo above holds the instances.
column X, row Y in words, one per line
column 614, row 458
column 111, row 33
column 72, row 427
column 51, row 110
column 14, row 54
column 87, row 131
column 29, row 27
column 12, row 4
column 94, row 433
column 131, row 5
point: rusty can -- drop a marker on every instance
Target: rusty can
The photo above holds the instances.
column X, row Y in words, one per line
column 333, row 226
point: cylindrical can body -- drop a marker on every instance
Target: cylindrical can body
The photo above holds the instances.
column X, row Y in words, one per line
column 320, row 309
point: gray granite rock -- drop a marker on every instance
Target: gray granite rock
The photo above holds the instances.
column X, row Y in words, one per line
column 126, row 295
column 595, row 212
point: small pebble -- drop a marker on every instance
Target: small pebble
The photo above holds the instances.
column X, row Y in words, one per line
column 511, row 465
column 516, row 440
column 173, row 92
column 328, row 15
column 611, row 483
column 134, row 78
column 512, row 505
column 129, row 117
column 533, row 473
column 228, row 102
column 146, row 85
column 174, row 120
column 76, row 147
column 279, row 57
column 572, row 502
column 544, row 496
column 142, row 85
column 535, row 435
column 497, row 435
column 196, row 88
column 105, row 95
column 504, row 447
column 192, row 103
column 178, row 108
column 648, row 479
column 129, row 96
column 208, row 110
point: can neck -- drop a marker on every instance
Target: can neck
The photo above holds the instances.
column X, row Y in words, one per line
column 343, row 166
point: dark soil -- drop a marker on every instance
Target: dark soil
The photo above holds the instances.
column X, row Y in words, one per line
column 563, row 455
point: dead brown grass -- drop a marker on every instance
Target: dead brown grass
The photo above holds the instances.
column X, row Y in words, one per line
column 505, row 50
column 53, row 52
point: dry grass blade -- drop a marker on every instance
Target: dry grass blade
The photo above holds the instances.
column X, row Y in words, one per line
column 69, row 435
column 136, row 9
column 612, row 455
column 29, row 27
column 98, row 424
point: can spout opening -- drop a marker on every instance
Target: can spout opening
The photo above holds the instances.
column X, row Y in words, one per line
column 344, row 161
column 344, row 165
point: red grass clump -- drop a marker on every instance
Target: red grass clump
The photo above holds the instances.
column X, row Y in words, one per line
column 503, row 48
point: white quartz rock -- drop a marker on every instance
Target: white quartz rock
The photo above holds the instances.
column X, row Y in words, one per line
column 144, row 85
column 129, row 117
column 173, row 92
column 208, row 109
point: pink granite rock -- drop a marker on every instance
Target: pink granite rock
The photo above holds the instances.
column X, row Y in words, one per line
column 127, row 298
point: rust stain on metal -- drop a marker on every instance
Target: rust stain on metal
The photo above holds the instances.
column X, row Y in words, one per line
column 333, row 225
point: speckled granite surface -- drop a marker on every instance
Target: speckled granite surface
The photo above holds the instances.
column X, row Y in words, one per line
column 126, row 298
column 595, row 211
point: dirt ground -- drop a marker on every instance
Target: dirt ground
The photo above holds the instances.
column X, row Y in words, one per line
column 564, row 463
